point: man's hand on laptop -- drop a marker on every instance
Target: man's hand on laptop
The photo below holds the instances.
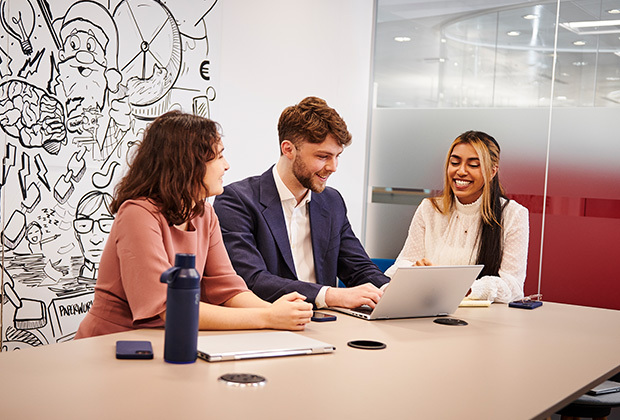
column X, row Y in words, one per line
column 353, row 297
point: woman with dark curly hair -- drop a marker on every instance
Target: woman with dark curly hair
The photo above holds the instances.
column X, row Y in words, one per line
column 160, row 211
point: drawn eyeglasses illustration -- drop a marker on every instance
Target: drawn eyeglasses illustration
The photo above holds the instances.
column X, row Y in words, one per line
column 85, row 225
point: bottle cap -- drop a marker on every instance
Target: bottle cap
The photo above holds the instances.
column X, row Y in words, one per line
column 185, row 260
column 183, row 275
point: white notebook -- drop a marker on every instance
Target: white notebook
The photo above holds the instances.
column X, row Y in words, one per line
column 217, row 348
column 475, row 303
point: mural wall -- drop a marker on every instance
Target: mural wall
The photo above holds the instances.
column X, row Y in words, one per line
column 79, row 82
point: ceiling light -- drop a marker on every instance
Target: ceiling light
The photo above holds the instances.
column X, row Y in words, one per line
column 614, row 11
column 402, row 39
column 579, row 63
column 612, row 78
column 593, row 27
column 530, row 17
column 579, row 43
column 435, row 60
column 592, row 23
column 513, row 33
column 617, row 53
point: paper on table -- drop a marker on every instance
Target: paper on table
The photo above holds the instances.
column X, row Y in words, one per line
column 474, row 303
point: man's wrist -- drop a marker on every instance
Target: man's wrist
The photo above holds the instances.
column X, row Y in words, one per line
column 320, row 301
column 333, row 296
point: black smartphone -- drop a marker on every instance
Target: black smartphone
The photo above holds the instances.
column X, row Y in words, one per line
column 528, row 304
column 321, row 317
column 135, row 349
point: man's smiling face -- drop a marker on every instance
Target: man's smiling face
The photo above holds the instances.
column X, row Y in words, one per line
column 315, row 162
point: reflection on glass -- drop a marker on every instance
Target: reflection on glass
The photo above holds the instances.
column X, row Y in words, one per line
column 489, row 66
column 499, row 54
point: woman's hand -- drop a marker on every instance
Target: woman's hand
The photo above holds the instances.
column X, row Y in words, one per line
column 290, row 312
column 423, row 262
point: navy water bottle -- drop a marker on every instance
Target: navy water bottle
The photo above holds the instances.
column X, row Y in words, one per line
column 182, row 306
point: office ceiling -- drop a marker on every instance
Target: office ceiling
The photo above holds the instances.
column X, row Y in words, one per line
column 517, row 37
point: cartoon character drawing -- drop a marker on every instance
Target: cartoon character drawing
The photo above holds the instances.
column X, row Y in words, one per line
column 87, row 60
column 34, row 236
column 93, row 221
column 89, row 75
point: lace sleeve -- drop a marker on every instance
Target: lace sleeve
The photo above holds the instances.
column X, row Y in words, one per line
column 414, row 248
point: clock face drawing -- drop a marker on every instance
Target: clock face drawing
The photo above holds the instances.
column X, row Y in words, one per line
column 149, row 51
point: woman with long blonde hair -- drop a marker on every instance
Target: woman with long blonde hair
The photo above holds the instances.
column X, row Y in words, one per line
column 472, row 222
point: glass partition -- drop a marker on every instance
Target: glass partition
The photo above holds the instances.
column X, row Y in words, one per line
column 441, row 69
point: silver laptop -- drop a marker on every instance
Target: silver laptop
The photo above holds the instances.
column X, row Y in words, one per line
column 421, row 292
column 606, row 387
column 217, row 348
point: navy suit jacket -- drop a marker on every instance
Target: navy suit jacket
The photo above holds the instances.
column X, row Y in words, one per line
column 255, row 235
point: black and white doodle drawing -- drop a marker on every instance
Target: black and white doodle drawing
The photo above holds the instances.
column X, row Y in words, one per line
column 29, row 114
column 151, row 59
column 65, row 185
column 98, row 112
column 79, row 82
column 29, row 316
column 92, row 223
column 17, row 18
column 191, row 24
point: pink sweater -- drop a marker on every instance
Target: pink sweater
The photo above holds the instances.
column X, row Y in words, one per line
column 141, row 246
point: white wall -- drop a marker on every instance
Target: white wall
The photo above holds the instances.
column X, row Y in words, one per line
column 276, row 52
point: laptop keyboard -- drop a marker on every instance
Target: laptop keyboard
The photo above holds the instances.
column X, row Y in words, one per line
column 365, row 309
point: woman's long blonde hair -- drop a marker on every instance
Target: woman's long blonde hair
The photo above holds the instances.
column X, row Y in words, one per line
column 490, row 250
column 488, row 152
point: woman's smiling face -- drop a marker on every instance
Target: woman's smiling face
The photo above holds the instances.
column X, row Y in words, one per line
column 465, row 173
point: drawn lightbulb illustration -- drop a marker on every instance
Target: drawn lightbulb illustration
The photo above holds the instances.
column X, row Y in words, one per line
column 17, row 17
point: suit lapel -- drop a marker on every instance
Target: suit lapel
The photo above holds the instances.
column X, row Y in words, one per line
column 274, row 216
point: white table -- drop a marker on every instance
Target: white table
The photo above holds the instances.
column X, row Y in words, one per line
column 507, row 363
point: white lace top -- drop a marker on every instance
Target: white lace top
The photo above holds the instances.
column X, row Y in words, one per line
column 453, row 240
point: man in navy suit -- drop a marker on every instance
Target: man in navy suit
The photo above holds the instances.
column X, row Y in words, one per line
column 285, row 230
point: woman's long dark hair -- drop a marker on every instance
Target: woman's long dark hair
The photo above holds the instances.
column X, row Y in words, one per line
column 491, row 247
column 169, row 166
column 491, row 244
